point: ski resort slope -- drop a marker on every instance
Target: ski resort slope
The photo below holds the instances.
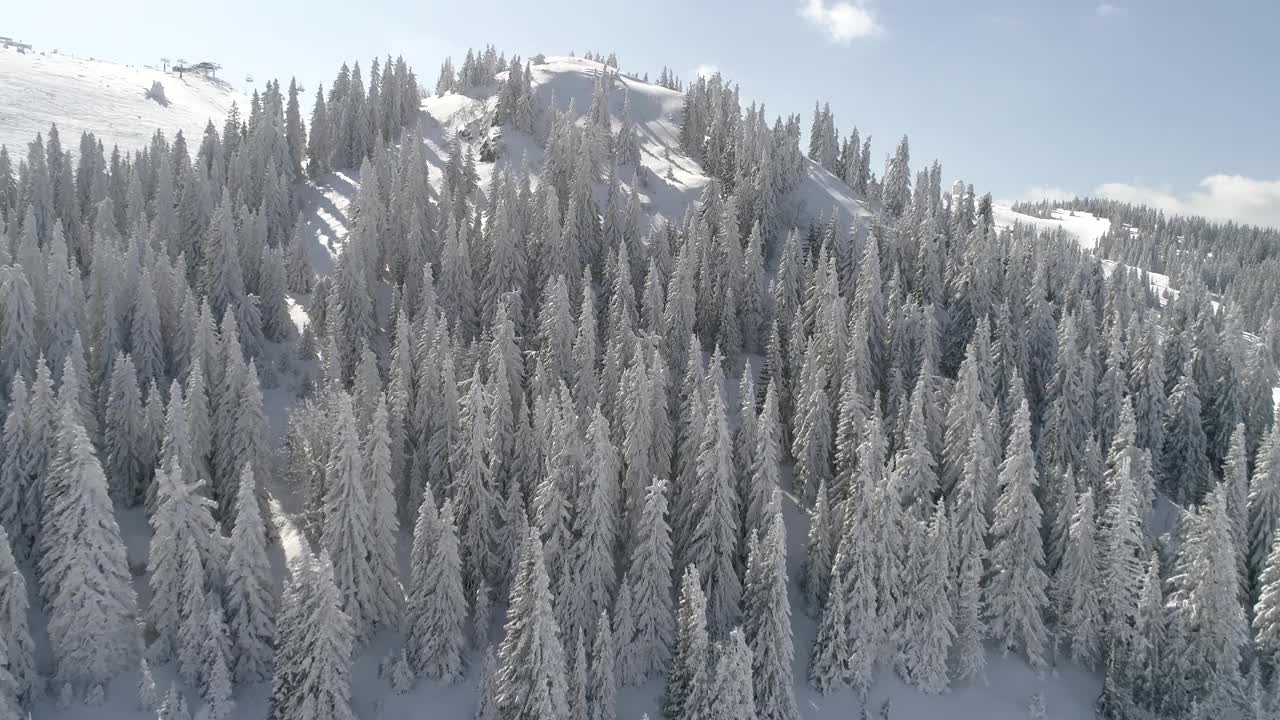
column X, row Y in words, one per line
column 38, row 89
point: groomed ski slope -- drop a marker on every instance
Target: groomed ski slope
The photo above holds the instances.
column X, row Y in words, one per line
column 39, row 88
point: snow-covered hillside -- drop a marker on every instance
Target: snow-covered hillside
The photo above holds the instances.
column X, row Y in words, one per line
column 1084, row 227
column 668, row 184
column 108, row 99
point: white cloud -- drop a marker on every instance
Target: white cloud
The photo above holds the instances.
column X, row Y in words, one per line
column 842, row 22
column 1107, row 10
column 1220, row 197
column 706, row 70
column 1217, row 197
column 1036, row 193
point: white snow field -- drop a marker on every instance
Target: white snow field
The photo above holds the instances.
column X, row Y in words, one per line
column 1085, row 227
column 41, row 88
column 90, row 95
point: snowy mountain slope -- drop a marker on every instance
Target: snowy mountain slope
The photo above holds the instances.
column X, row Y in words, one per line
column 108, row 99
column 1069, row 690
column 668, row 183
column 1084, row 227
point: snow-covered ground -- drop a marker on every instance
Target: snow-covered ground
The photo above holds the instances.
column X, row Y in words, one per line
column 40, row 88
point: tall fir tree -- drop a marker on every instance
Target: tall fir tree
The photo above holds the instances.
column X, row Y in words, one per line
column 1016, row 590
column 84, row 573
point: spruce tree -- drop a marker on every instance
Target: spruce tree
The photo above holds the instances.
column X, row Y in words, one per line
column 1266, row 612
column 1079, row 612
column 250, row 603
column 15, row 636
column 312, row 676
column 437, row 607
column 472, row 471
column 182, row 519
column 1264, row 502
column 828, row 666
column 346, row 528
column 1205, row 597
column 971, row 659
column 384, row 531
column 531, row 678
column 1186, row 472
column 713, row 544
column 688, row 677
column 1016, row 590
column 767, row 624
column 595, row 536
column 603, row 685
column 930, row 630
column 84, row 573
column 650, row 588
column 215, row 660
column 123, row 434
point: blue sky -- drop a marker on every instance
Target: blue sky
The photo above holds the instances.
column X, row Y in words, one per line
column 1172, row 103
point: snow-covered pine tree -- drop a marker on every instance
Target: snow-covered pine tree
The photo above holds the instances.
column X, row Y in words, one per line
column 714, row 542
column 487, row 697
column 123, row 433
column 818, row 550
column 1266, row 612
column 16, row 513
column 250, row 603
column 828, row 666
column 15, row 636
column 312, row 676
column 474, row 496
column 182, row 519
column 689, row 676
column 930, row 630
column 730, row 690
column 1122, row 547
column 1205, row 597
column 8, row 687
column 148, row 693
column 916, row 479
column 973, row 494
column 650, row 587
column 765, row 458
column 767, row 623
column 34, row 457
column 812, row 444
column 602, row 690
column 1016, row 589
column 1235, row 475
column 576, row 682
column 437, row 607
column 384, row 530
column 595, row 537
column 971, row 661
column 531, row 678
column 347, row 528
column 84, row 573
column 1186, row 474
column 215, row 661
column 1264, row 502
column 1079, row 612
